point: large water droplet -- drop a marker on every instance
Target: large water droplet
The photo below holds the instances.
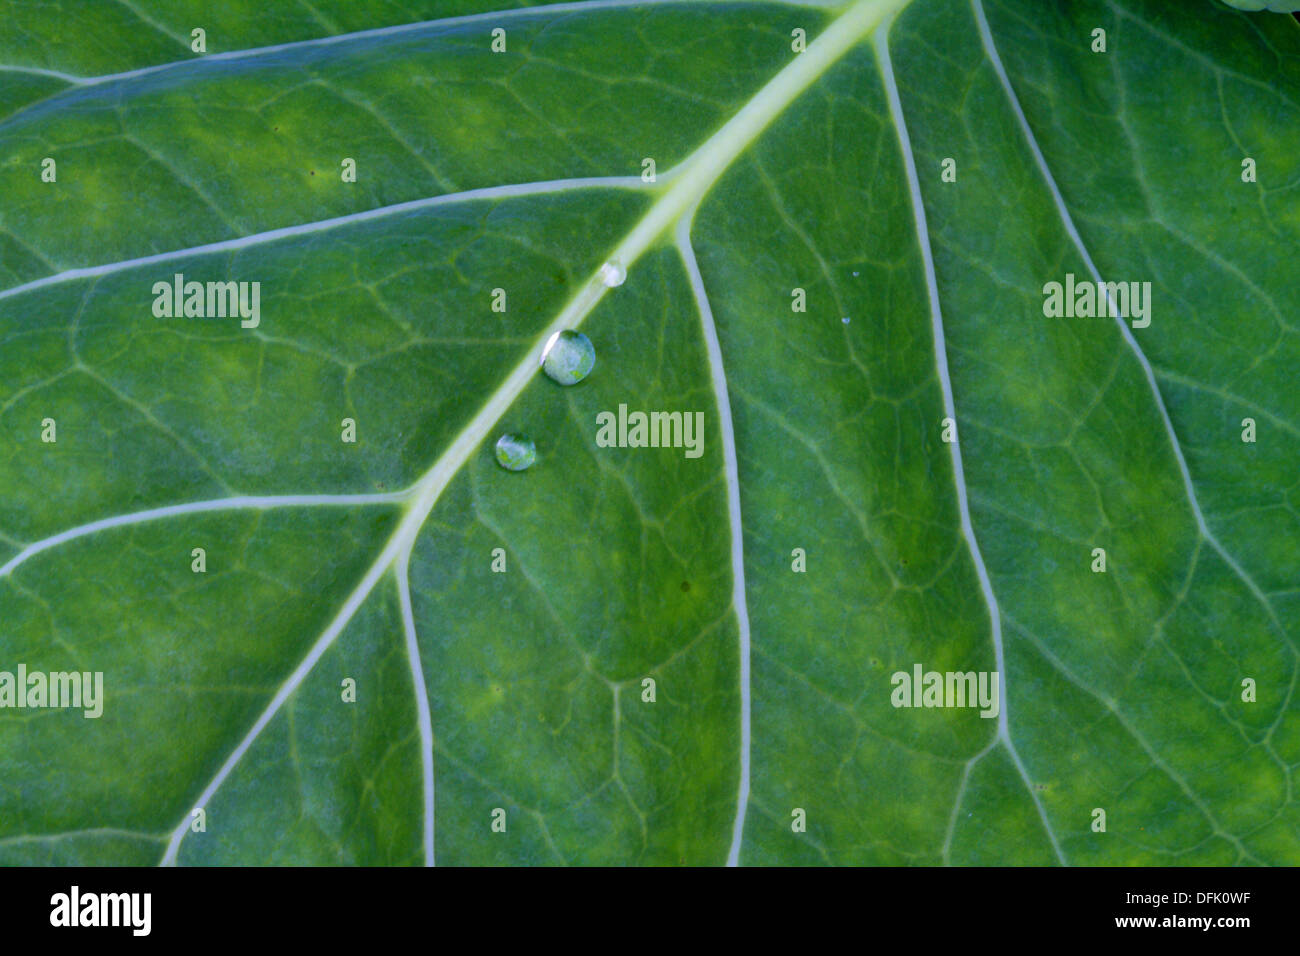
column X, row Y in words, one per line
column 516, row 452
column 568, row 357
column 613, row 273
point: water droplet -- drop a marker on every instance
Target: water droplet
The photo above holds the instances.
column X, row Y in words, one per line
column 845, row 320
column 613, row 273
column 568, row 357
column 516, row 452
column 855, row 275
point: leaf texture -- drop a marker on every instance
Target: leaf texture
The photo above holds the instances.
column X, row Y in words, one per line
column 522, row 695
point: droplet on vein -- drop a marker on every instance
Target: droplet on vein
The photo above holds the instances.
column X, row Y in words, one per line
column 613, row 273
column 568, row 357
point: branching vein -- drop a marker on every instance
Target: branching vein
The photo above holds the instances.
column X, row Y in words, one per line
column 941, row 358
column 718, row 373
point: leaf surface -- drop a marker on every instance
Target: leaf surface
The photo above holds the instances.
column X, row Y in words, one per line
column 525, row 691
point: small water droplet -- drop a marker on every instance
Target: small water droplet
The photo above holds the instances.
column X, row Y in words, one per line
column 568, row 357
column 856, row 274
column 516, row 452
column 845, row 320
column 613, row 273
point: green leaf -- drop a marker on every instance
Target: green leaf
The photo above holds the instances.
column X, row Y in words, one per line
column 644, row 654
column 1277, row 6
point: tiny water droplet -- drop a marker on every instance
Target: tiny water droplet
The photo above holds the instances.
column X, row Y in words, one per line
column 568, row 357
column 845, row 320
column 855, row 275
column 613, row 273
column 516, row 452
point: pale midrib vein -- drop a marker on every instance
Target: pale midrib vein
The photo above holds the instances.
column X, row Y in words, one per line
column 697, row 175
column 487, row 193
column 92, row 832
column 494, row 17
column 990, row 49
column 424, row 713
column 396, row 544
column 881, row 41
column 718, row 373
column 41, row 71
column 240, row 502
